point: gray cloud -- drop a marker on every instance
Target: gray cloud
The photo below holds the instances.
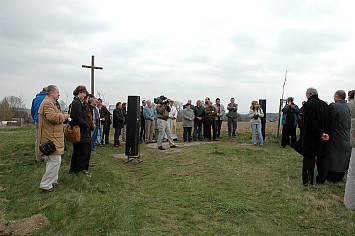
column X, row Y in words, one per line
column 302, row 41
column 46, row 42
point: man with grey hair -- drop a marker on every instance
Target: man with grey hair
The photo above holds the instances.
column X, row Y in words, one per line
column 199, row 111
column 50, row 127
column 150, row 115
column 338, row 149
column 316, row 113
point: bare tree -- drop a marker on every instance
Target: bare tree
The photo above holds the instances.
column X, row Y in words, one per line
column 17, row 106
column 66, row 98
column 101, row 94
column 179, row 108
column 63, row 105
column 178, row 105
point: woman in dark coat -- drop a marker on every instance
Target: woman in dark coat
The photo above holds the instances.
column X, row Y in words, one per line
column 78, row 114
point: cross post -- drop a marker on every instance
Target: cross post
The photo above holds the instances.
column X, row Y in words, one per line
column 92, row 67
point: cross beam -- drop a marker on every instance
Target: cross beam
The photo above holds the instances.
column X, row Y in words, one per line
column 92, row 67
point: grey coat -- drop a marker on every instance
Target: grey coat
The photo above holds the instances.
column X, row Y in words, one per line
column 233, row 110
column 351, row 106
column 221, row 111
column 186, row 116
column 338, row 147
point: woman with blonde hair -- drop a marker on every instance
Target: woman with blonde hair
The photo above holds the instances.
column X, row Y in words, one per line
column 255, row 113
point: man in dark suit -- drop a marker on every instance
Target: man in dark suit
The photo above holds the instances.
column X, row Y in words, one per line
column 105, row 117
column 316, row 119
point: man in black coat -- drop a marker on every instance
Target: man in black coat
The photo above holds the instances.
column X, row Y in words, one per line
column 316, row 119
column 105, row 117
column 118, row 121
column 199, row 111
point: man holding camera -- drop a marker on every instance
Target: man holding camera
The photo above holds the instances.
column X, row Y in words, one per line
column 163, row 110
column 289, row 122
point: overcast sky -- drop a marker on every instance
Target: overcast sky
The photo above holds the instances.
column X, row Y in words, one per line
column 182, row 49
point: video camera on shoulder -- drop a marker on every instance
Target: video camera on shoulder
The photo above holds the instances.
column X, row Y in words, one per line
column 161, row 100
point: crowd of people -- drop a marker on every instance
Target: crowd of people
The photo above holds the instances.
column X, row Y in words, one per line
column 327, row 138
column 200, row 121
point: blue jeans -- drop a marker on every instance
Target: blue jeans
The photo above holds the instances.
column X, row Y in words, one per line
column 94, row 137
column 197, row 131
column 254, row 128
column 99, row 134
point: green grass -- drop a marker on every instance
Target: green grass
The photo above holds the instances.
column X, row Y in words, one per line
column 224, row 188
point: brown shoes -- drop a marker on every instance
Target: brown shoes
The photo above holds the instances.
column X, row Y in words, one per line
column 47, row 190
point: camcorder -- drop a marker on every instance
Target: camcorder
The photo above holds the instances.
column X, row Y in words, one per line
column 161, row 100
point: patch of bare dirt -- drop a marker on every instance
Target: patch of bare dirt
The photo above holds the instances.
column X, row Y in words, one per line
column 24, row 226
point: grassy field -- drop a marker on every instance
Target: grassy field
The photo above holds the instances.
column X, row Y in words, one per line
column 224, row 188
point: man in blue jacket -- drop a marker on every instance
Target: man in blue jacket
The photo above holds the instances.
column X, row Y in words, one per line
column 36, row 102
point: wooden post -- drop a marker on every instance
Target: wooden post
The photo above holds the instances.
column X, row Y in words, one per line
column 279, row 123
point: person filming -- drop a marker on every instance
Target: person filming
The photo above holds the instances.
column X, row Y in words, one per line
column 163, row 110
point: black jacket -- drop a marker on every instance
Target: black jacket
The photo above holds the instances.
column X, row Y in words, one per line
column 315, row 123
column 118, row 118
column 199, row 112
column 79, row 117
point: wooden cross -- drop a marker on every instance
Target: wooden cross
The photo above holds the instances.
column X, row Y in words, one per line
column 92, row 67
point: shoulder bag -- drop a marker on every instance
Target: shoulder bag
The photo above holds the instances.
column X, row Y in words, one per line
column 48, row 147
column 72, row 134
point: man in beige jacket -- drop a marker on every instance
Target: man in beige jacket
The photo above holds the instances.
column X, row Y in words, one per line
column 50, row 127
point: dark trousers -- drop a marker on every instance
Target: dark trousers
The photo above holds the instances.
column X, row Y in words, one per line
column 309, row 162
column 205, row 128
column 218, row 126
column 335, row 177
column 198, row 130
column 106, row 134
column 81, row 157
column 117, row 136
column 142, row 133
column 187, row 133
column 288, row 130
column 211, row 123
column 232, row 126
